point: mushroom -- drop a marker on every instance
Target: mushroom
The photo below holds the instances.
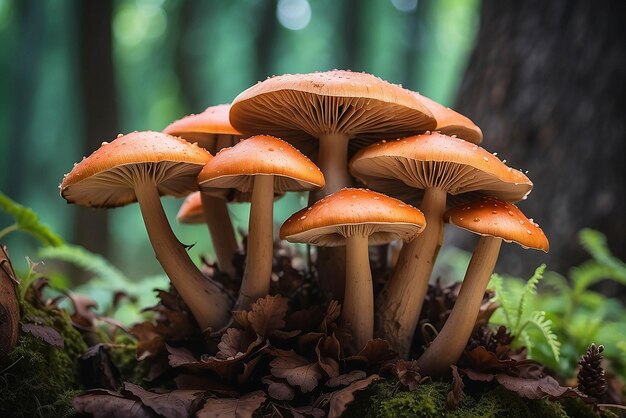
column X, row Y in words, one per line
column 320, row 113
column 212, row 130
column 495, row 221
column 439, row 165
column 452, row 123
column 262, row 165
column 355, row 218
column 190, row 211
column 142, row 166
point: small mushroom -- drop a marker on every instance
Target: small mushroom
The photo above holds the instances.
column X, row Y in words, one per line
column 212, row 131
column 439, row 165
column 495, row 221
column 452, row 123
column 143, row 166
column 355, row 218
column 262, row 165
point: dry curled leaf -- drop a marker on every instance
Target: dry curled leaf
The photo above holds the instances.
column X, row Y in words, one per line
column 243, row 407
column 102, row 403
column 268, row 314
column 235, row 343
column 546, row 387
column 297, row 370
column 456, row 395
column 338, row 400
column 376, row 351
column 408, row 373
column 44, row 333
column 97, row 370
column 328, row 351
column 174, row 404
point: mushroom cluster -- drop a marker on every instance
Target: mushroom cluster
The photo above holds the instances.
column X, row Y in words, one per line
column 417, row 157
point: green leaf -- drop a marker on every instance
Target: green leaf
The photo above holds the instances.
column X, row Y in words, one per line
column 595, row 244
column 26, row 220
column 530, row 290
column 538, row 318
column 501, row 296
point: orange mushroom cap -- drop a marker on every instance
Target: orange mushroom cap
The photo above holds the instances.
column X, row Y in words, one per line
column 452, row 123
column 330, row 220
column 106, row 178
column 489, row 216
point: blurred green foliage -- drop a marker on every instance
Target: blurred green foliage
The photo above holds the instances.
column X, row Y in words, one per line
column 174, row 57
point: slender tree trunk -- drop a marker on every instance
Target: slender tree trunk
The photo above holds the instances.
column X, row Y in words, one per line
column 99, row 101
column 265, row 40
column 185, row 62
column 546, row 83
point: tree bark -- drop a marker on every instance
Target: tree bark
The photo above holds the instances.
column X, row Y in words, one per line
column 9, row 305
column 546, row 83
column 99, row 102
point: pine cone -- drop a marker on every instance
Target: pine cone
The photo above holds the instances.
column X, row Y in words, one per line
column 591, row 379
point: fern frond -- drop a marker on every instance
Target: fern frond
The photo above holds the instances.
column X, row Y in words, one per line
column 26, row 220
column 503, row 298
column 595, row 243
column 88, row 261
column 591, row 272
column 539, row 320
column 530, row 290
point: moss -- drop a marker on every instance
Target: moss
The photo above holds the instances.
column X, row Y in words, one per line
column 124, row 357
column 38, row 379
column 387, row 399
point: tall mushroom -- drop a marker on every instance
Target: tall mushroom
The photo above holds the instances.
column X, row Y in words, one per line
column 495, row 221
column 261, row 165
column 355, row 218
column 320, row 113
column 439, row 165
column 142, row 166
column 212, row 131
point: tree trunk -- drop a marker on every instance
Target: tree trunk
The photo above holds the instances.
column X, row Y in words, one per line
column 99, row 101
column 546, row 83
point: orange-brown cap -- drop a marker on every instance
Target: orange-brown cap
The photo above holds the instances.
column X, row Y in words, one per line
column 190, row 211
column 450, row 122
column 436, row 160
column 328, row 222
column 106, row 178
column 211, row 129
column 235, row 167
column 489, row 216
column 298, row 107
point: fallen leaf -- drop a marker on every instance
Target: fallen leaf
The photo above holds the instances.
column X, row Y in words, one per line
column 339, row 399
column 267, row 314
column 278, row 389
column 481, row 360
column 546, row 387
column 408, row 373
column 45, row 333
column 297, row 370
column 102, row 403
column 376, row 351
column 243, row 407
column 97, row 370
column 235, row 343
column 346, row 379
column 332, row 313
column 456, row 395
column 175, row 404
column 328, row 351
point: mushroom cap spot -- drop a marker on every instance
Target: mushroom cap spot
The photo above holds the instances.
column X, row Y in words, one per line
column 331, row 220
column 436, row 160
column 450, row 122
column 498, row 219
column 299, row 107
column 235, row 167
column 190, row 211
column 107, row 177
column 211, row 129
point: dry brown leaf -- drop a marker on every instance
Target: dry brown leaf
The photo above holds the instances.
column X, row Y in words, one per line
column 235, row 343
column 328, row 351
column 97, row 370
column 44, row 333
column 175, row 404
column 408, row 373
column 338, row 400
column 376, row 351
column 456, row 395
column 546, row 387
column 297, row 370
column 102, row 403
column 346, row 379
column 278, row 389
column 268, row 314
column 332, row 313
column 243, row 407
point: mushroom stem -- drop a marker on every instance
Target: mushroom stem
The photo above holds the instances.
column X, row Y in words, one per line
column 205, row 299
column 448, row 346
column 221, row 230
column 256, row 276
column 358, row 306
column 332, row 159
column 400, row 301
